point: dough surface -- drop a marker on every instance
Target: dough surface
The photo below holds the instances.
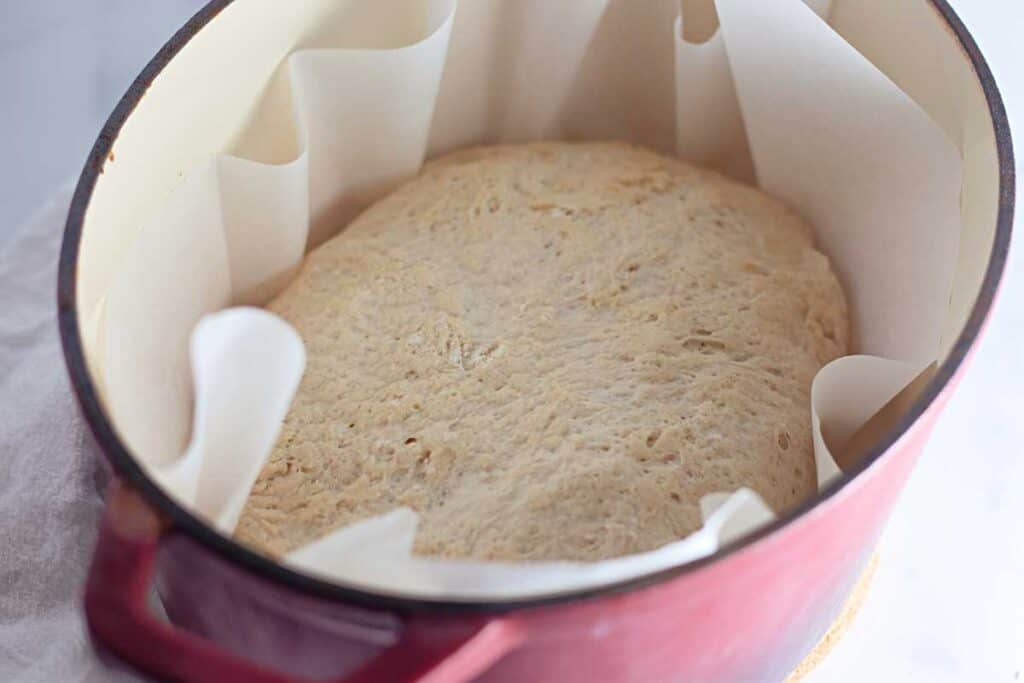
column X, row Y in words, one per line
column 551, row 351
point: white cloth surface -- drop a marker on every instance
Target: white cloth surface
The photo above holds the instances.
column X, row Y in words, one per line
column 49, row 504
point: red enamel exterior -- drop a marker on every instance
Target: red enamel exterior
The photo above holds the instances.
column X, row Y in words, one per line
column 750, row 616
column 751, row 612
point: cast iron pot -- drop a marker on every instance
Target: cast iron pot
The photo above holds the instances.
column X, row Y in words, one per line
column 751, row 611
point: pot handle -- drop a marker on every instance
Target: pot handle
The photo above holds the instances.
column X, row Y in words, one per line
column 120, row 621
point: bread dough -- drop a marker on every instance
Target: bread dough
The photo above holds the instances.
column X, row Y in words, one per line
column 551, row 351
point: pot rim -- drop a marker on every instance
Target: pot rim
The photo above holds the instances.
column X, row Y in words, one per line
column 126, row 467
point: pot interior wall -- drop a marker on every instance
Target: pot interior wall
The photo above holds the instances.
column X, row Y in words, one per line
column 208, row 95
column 915, row 47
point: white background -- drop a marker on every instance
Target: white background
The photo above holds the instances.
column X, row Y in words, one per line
column 947, row 603
column 63, row 66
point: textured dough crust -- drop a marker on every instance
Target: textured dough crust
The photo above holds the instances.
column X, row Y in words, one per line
column 551, row 351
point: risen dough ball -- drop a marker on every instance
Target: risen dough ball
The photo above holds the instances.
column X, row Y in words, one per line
column 551, row 351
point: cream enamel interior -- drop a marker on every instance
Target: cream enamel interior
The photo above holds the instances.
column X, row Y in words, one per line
column 202, row 103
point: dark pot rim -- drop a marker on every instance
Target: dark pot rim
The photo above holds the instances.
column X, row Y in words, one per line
column 185, row 522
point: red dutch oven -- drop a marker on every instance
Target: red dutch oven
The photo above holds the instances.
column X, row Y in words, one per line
column 749, row 612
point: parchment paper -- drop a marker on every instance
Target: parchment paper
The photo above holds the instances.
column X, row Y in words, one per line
column 822, row 127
